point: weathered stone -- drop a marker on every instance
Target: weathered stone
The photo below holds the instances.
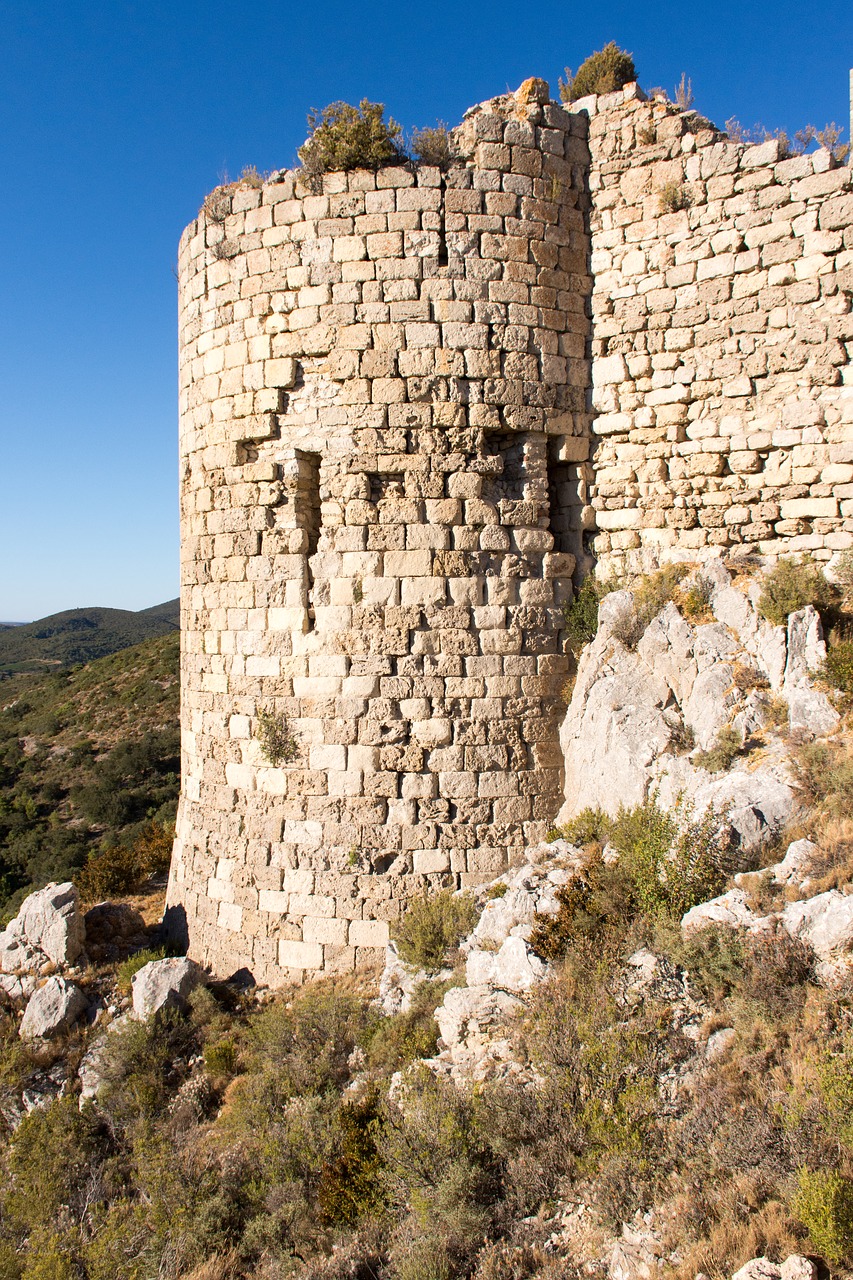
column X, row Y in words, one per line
column 52, row 1009
column 164, row 983
column 47, row 928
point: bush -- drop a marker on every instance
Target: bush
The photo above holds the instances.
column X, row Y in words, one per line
column 728, row 746
column 432, row 927
column 824, row 1204
column 432, row 146
column 132, row 965
column 791, row 585
column 586, row 827
column 220, row 1059
column 278, row 744
column 672, row 861
column 838, row 667
column 119, row 869
column 344, row 137
column 673, row 197
column 581, row 614
column 604, row 71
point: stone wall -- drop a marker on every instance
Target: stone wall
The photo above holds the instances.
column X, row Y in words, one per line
column 721, row 341
column 413, row 405
column 383, row 415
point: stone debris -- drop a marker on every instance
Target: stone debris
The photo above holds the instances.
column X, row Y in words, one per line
column 48, row 929
column 52, row 1009
column 164, row 983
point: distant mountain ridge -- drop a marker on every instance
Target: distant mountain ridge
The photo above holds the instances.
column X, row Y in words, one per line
column 80, row 635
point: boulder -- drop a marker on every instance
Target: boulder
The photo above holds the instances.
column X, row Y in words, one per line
column 113, row 929
column 469, row 1014
column 759, row 1269
column 164, row 983
column 730, row 910
column 47, row 928
column 824, row 923
column 513, row 967
column 792, row 867
column 52, row 1010
column 16, row 988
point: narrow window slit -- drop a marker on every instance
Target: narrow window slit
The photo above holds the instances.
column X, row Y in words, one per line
column 308, row 518
column 443, row 258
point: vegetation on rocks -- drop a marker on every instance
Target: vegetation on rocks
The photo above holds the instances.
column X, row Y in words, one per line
column 603, row 71
column 89, row 771
column 343, row 137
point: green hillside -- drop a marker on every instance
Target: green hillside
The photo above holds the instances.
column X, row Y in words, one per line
column 80, row 635
column 89, row 757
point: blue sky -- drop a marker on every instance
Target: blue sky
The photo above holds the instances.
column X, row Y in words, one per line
column 117, row 118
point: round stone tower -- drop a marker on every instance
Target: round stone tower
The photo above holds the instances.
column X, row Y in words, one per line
column 384, row 428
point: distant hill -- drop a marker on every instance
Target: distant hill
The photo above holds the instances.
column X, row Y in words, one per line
column 80, row 635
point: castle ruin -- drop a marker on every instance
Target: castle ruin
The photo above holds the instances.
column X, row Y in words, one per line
column 415, row 406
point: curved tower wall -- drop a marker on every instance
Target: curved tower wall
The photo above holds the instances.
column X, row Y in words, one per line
column 383, row 434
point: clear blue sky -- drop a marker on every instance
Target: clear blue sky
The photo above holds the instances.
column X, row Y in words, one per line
column 119, row 115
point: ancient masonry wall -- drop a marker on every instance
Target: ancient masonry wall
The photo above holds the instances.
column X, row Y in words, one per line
column 413, row 405
column 721, row 343
column 384, row 410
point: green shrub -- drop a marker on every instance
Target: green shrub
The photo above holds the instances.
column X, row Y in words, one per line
column 277, row 742
column 727, row 747
column 838, row 667
column 220, row 1059
column 432, row 146
column 432, row 927
column 791, row 585
column 119, row 869
column 824, row 1204
column 132, row 965
column 587, row 826
column 608, row 69
column 350, row 1186
column 393, row 1042
column 672, row 861
column 597, row 897
column 581, row 614
column 343, row 137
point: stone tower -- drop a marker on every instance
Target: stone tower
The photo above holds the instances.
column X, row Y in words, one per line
column 384, row 428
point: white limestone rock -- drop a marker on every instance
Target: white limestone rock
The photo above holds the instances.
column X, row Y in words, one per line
column 48, row 928
column 730, row 910
column 791, row 869
column 825, row 923
column 52, row 1010
column 469, row 1014
column 759, row 1269
column 16, row 988
column 162, row 983
column 513, row 967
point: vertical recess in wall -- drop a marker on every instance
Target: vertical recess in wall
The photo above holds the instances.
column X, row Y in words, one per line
column 443, row 258
column 564, row 504
column 308, row 517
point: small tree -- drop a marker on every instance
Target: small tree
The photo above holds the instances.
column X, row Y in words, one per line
column 608, row 69
column 344, row 137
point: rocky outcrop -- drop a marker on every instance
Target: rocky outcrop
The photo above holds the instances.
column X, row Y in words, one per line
column 52, row 1010
column 164, row 983
column 48, row 929
column 638, row 703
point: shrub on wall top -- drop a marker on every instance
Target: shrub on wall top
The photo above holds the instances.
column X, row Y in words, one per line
column 344, row 137
column 603, row 71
